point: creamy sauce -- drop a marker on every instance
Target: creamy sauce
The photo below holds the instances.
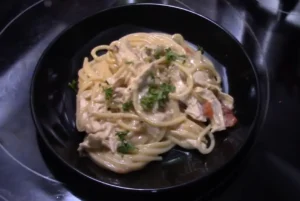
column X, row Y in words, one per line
column 146, row 95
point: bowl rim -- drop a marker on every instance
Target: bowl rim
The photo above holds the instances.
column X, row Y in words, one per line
column 255, row 124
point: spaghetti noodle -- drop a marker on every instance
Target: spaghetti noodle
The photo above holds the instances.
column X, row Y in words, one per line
column 146, row 94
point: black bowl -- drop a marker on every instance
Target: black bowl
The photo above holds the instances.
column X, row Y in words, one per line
column 53, row 102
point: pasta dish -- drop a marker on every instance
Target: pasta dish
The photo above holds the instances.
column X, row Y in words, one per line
column 147, row 93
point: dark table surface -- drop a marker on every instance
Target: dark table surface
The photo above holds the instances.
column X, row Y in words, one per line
column 271, row 169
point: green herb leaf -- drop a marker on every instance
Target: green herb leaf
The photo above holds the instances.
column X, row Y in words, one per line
column 129, row 62
column 167, row 88
column 127, row 106
column 159, row 52
column 127, row 148
column 108, row 93
column 200, row 48
column 157, row 94
column 170, row 55
column 148, row 101
column 148, row 51
column 122, row 135
column 72, row 85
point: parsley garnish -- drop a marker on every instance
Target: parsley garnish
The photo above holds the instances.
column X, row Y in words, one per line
column 108, row 93
column 200, row 48
column 159, row 52
column 127, row 106
column 170, row 55
column 157, row 94
column 148, row 51
column 122, row 135
column 128, row 62
column 72, row 85
column 148, row 101
column 125, row 147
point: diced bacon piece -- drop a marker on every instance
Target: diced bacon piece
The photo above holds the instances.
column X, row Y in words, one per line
column 229, row 117
column 207, row 110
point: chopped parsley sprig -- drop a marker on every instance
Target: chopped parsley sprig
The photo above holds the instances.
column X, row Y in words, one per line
column 72, row 85
column 171, row 55
column 125, row 147
column 159, row 52
column 127, row 106
column 108, row 93
column 157, row 94
column 200, row 48
column 122, row 135
column 163, row 52
column 129, row 62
